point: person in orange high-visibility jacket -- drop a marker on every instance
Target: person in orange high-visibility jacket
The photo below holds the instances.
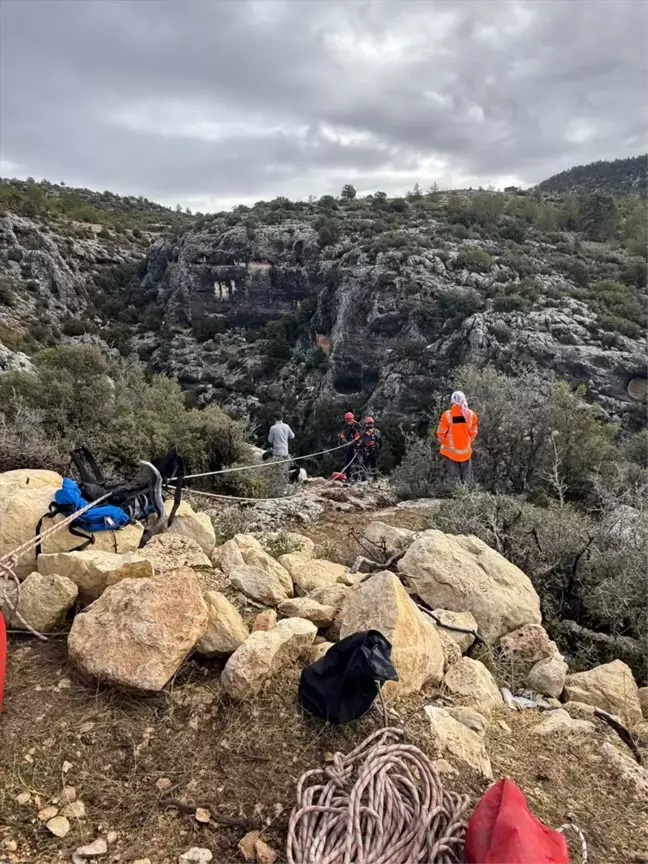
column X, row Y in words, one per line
column 456, row 432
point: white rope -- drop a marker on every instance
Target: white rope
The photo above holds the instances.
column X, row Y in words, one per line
column 583, row 842
column 267, row 464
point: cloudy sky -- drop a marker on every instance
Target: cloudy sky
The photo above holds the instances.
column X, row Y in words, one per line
column 211, row 102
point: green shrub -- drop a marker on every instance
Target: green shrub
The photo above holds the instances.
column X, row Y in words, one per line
column 475, row 260
column 76, row 327
column 511, row 303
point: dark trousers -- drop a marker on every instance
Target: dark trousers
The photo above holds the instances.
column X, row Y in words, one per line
column 459, row 473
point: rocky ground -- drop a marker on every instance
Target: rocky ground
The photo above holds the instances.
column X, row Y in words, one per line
column 180, row 679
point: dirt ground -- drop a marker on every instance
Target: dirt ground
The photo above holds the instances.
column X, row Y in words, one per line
column 246, row 759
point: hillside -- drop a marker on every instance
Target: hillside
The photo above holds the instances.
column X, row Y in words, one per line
column 618, row 177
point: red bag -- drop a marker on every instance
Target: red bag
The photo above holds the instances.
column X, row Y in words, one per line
column 338, row 475
column 503, row 830
column 3, row 656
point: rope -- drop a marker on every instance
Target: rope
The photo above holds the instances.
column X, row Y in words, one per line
column 10, row 574
column 583, row 842
column 264, row 464
column 383, row 803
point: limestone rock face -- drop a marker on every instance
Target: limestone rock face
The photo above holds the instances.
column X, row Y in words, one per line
column 528, row 644
column 471, row 681
column 44, row 601
column 139, row 631
column 264, row 653
column 548, row 676
column 254, row 555
column 610, row 686
column 462, row 574
column 382, row 541
column 22, row 506
column 458, row 741
column 258, row 585
column 308, row 574
column 381, row 603
column 93, row 571
column 168, row 552
column 31, row 478
column 189, row 523
column 226, row 630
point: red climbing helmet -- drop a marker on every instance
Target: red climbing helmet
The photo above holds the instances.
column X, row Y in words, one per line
column 349, row 416
column 369, row 421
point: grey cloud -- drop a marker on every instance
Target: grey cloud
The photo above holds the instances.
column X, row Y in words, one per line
column 130, row 94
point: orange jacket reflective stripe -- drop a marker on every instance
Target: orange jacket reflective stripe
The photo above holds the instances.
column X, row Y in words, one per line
column 456, row 434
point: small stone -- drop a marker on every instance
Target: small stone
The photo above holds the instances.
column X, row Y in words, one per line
column 163, row 784
column 202, row 814
column 75, row 810
column 97, row 847
column 23, row 798
column 9, row 845
column 142, row 861
column 560, row 721
column 470, row 718
column 58, row 826
column 47, row 813
column 68, row 795
column 65, row 767
column 196, row 855
column 264, row 854
column 111, row 837
column 246, row 845
column 444, row 767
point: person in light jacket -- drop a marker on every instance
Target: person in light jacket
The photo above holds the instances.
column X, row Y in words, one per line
column 280, row 435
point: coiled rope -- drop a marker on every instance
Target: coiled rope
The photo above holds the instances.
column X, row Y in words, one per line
column 383, row 803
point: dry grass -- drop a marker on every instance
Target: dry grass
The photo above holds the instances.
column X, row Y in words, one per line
column 245, row 758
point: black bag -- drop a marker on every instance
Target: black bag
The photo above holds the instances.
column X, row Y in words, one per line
column 343, row 685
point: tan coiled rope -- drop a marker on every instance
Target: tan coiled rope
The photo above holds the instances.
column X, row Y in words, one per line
column 383, row 803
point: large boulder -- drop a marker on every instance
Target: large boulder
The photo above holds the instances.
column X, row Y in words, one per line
column 228, row 556
column 264, row 653
column 226, row 630
column 22, row 507
column 632, row 776
column 44, row 601
column 139, row 631
column 197, row 526
column 311, row 610
column 610, row 686
column 93, row 571
column 463, row 574
column 258, row 585
column 32, row 478
column 548, row 676
column 381, row 603
column 470, row 681
column 254, row 555
column 528, row 644
column 334, row 595
column 168, row 552
column 457, row 740
column 457, row 619
column 308, row 574
column 381, row 541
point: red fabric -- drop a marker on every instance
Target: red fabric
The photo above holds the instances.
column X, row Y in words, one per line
column 503, row 830
column 338, row 475
column 3, row 656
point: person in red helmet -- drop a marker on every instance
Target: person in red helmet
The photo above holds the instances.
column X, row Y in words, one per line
column 350, row 435
column 370, row 442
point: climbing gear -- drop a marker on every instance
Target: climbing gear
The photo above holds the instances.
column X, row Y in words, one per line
column 264, row 464
column 456, row 433
column 369, row 421
column 382, row 802
column 349, row 418
column 503, row 830
column 125, row 501
column 342, row 685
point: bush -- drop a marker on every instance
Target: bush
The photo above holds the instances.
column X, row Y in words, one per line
column 421, row 471
column 511, row 303
column 76, row 327
column 475, row 260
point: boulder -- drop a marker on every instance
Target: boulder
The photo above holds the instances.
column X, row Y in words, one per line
column 451, row 651
column 643, row 700
column 610, row 686
column 457, row 619
column 381, row 541
column 258, row 585
column 226, row 630
column 265, row 620
column 93, row 571
column 528, row 644
column 139, row 631
column 228, row 556
column 381, row 603
column 32, row 478
column 168, row 552
column 44, row 601
column 263, row 654
column 548, row 676
column 463, row 574
column 22, row 507
column 196, row 526
column 470, row 718
column 471, row 681
column 457, row 740
column 335, row 595
column 631, row 775
column 311, row 610
column 254, row 555
column 561, row 722
column 308, row 574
